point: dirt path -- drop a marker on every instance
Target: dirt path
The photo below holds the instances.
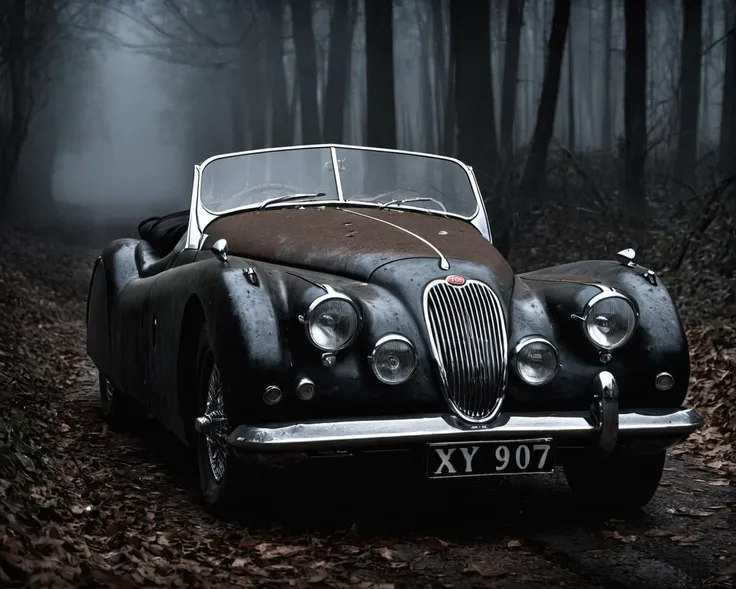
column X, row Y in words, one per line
column 88, row 506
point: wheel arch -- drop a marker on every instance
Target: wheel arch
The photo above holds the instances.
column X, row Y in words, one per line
column 192, row 321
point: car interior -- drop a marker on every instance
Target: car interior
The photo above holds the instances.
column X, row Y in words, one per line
column 162, row 239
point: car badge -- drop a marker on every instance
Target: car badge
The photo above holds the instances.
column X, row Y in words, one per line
column 455, row 280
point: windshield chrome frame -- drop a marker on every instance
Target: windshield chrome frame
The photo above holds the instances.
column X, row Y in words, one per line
column 200, row 217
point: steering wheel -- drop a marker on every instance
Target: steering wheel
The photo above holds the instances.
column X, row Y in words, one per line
column 236, row 199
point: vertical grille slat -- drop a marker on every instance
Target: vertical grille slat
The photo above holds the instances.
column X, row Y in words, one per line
column 467, row 333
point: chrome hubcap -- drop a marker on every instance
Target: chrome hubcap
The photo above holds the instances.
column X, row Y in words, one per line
column 213, row 424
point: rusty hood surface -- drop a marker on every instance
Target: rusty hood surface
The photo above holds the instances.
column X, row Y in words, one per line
column 350, row 241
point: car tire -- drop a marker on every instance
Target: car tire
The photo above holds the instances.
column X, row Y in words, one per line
column 620, row 483
column 120, row 410
column 220, row 471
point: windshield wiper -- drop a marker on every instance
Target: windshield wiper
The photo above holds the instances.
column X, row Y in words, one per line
column 401, row 201
column 286, row 197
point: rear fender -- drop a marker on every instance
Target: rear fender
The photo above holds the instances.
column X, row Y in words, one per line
column 112, row 271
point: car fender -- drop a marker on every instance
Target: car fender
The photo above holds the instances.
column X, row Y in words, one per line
column 243, row 321
column 659, row 343
column 112, row 270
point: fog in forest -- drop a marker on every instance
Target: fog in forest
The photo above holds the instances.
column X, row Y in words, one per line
column 107, row 106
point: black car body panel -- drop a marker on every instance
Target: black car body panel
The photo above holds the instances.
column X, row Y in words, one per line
column 150, row 298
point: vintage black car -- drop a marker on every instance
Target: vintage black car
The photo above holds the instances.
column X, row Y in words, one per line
column 326, row 299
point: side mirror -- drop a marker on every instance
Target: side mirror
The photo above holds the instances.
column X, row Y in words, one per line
column 626, row 257
column 219, row 248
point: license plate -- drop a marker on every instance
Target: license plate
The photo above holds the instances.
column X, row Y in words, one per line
column 468, row 459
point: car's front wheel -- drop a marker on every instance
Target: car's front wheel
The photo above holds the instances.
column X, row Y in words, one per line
column 621, row 482
column 220, row 472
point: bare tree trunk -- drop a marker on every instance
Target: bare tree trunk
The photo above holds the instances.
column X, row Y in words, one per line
column 534, row 172
column 449, row 131
column 687, row 144
column 571, row 144
column 727, row 148
column 440, row 68
column 306, row 65
column 470, row 29
column 281, row 128
column 337, row 73
column 379, row 49
column 607, row 118
column 514, row 23
column 635, row 111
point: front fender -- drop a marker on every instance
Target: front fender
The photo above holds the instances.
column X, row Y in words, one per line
column 544, row 301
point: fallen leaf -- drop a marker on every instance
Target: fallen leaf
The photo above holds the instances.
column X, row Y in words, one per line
column 658, row 533
column 614, row 535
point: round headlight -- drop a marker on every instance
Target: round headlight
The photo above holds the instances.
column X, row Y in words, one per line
column 536, row 360
column 609, row 320
column 394, row 359
column 332, row 322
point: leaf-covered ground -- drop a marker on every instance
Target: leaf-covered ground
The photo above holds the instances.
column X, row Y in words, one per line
column 81, row 505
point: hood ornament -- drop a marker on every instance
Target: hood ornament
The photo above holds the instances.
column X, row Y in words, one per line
column 455, row 280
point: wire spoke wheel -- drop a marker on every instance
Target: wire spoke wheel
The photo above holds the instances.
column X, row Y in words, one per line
column 218, row 431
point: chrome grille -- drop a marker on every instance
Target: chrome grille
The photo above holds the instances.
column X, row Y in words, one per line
column 467, row 333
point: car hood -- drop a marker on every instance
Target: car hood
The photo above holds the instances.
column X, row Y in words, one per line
column 352, row 241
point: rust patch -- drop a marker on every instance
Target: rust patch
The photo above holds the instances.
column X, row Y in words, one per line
column 333, row 240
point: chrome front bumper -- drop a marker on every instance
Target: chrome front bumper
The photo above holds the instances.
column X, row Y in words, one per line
column 602, row 428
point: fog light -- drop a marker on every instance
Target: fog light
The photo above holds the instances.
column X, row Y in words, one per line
column 272, row 395
column 305, row 389
column 536, row 360
column 664, row 381
column 394, row 359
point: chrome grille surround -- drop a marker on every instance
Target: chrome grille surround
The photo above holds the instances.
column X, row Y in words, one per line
column 467, row 335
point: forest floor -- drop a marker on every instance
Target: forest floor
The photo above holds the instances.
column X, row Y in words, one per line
column 81, row 505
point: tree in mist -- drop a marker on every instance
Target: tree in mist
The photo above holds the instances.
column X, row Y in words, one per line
column 281, row 129
column 337, row 71
column 379, row 43
column 306, row 69
column 470, row 31
column 687, row 144
column 727, row 153
column 635, row 110
column 31, row 33
column 534, row 173
column 514, row 21
column 607, row 114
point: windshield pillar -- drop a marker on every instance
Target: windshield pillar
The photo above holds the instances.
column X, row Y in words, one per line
column 336, row 170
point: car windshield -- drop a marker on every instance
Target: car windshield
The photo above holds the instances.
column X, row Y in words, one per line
column 390, row 179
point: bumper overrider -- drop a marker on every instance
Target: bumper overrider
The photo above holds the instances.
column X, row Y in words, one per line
column 601, row 429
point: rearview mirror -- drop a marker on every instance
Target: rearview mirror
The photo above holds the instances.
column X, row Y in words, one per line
column 219, row 248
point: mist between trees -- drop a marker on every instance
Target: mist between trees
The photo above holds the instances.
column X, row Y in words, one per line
column 629, row 94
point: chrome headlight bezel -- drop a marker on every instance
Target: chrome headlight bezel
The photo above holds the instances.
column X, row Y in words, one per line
column 590, row 308
column 312, row 312
column 524, row 343
column 390, row 338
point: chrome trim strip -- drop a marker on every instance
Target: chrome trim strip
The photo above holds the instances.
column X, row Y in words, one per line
column 573, row 426
column 444, row 264
column 469, row 343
